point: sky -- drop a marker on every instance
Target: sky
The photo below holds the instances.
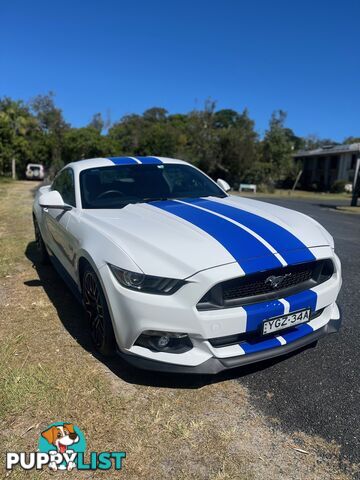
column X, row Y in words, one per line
column 119, row 57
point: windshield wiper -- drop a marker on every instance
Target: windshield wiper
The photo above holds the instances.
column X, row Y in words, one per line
column 153, row 199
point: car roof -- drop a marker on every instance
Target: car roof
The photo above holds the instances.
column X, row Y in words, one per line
column 112, row 161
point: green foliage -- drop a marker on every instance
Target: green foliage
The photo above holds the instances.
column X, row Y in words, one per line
column 224, row 143
column 349, row 140
column 338, row 186
column 278, row 146
column 87, row 142
column 53, row 127
column 311, row 142
column 18, row 131
column 97, row 122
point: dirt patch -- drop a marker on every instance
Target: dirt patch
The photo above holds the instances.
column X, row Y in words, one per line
column 170, row 426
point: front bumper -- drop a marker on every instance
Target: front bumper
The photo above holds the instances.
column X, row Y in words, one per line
column 134, row 313
column 217, row 365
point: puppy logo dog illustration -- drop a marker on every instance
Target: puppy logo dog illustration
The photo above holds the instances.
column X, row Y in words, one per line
column 62, row 447
column 62, row 437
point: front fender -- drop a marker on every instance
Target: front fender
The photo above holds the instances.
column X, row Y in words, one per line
column 95, row 247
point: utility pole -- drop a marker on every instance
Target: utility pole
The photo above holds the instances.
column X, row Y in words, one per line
column 356, row 184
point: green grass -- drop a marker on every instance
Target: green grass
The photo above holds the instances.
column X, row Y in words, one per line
column 301, row 194
column 5, row 180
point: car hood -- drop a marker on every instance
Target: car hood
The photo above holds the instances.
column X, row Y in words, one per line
column 179, row 238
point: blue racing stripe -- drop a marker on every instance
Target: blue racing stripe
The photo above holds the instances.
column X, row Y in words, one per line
column 123, row 161
column 256, row 313
column 249, row 252
column 150, row 160
column 305, row 299
column 259, row 346
column 284, row 242
column 300, row 331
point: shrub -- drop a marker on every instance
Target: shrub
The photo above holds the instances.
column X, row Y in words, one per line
column 338, row 186
column 265, row 188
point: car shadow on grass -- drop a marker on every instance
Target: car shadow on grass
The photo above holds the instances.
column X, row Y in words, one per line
column 71, row 315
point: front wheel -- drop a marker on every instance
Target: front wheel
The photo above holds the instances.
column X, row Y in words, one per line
column 97, row 312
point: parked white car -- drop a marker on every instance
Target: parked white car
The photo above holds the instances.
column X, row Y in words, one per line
column 177, row 275
column 34, row 171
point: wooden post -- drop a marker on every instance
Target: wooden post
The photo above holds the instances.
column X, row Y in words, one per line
column 297, row 180
column 13, row 169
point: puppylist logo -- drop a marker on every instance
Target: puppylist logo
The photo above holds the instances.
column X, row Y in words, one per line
column 62, row 447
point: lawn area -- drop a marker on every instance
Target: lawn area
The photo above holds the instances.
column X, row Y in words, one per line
column 298, row 194
column 5, row 180
column 171, row 426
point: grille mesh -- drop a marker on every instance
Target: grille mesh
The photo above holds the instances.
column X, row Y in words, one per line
column 270, row 284
column 233, row 289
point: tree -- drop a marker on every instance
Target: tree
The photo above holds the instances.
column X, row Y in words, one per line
column 87, row 142
column 238, row 145
column 126, row 134
column 155, row 114
column 53, row 125
column 203, row 145
column 224, row 143
column 18, row 130
column 97, row 122
column 349, row 140
column 312, row 141
column 278, row 147
column 225, row 118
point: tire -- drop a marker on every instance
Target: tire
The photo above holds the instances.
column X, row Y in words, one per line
column 97, row 312
column 40, row 245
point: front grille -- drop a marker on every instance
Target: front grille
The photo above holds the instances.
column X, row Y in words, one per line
column 258, row 286
column 271, row 284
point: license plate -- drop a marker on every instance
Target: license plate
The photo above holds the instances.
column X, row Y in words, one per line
column 285, row 321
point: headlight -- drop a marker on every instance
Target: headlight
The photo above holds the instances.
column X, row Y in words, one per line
column 146, row 283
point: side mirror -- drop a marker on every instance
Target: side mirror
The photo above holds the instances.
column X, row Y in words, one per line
column 224, row 185
column 53, row 199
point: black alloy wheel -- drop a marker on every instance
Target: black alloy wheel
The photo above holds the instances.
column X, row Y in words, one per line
column 97, row 312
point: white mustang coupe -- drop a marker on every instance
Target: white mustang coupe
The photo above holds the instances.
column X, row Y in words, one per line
column 176, row 275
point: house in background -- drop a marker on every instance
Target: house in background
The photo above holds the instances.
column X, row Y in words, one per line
column 324, row 166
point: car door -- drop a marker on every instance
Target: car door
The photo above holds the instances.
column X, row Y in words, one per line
column 56, row 221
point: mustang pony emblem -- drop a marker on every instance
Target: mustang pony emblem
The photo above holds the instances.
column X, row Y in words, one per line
column 275, row 281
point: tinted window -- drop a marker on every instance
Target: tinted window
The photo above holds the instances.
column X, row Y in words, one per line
column 64, row 184
column 115, row 187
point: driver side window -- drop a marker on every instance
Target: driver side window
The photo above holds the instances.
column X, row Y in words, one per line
column 64, row 184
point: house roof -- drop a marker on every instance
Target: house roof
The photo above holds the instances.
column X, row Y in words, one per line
column 328, row 150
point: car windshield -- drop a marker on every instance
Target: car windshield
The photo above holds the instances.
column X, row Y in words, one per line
column 115, row 187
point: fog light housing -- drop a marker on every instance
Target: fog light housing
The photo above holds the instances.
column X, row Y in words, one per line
column 169, row 342
column 161, row 342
